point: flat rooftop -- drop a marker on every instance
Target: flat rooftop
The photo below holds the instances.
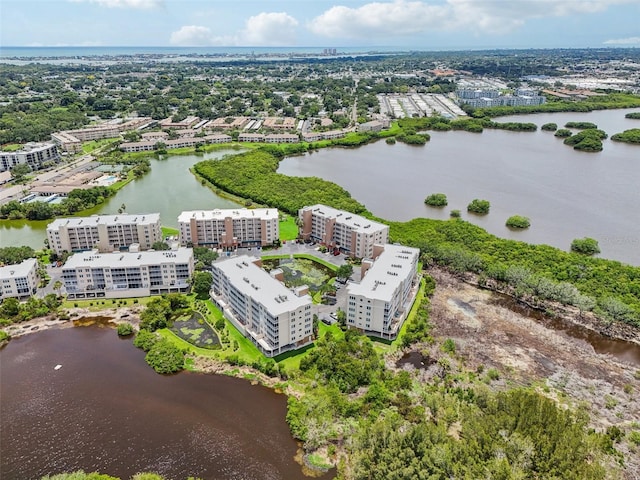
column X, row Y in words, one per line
column 120, row 219
column 19, row 270
column 356, row 222
column 391, row 267
column 235, row 213
column 127, row 259
column 254, row 282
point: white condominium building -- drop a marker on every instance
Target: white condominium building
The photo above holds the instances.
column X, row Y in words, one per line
column 352, row 234
column 33, row 154
column 230, row 228
column 104, row 232
column 263, row 309
column 127, row 274
column 379, row 304
column 20, row 280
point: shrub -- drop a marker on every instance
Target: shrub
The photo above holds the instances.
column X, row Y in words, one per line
column 549, row 127
column 580, row 125
column 165, row 357
column 585, row 246
column 563, row 133
column 125, row 329
column 517, row 221
column 390, row 141
column 455, row 214
column 436, row 200
column 480, row 207
column 145, row 340
column 449, row 346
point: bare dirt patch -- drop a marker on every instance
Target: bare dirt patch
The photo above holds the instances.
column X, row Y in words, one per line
column 529, row 352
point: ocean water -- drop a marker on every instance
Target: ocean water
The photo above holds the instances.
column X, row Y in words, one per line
column 9, row 52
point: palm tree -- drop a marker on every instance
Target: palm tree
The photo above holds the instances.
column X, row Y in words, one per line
column 57, row 286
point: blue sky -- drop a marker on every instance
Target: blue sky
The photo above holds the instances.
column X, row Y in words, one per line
column 416, row 24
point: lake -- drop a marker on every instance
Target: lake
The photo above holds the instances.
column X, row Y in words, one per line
column 566, row 194
column 169, row 189
column 106, row 410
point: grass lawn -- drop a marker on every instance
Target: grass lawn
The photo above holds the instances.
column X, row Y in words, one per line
column 288, row 228
column 97, row 304
column 89, row 147
column 11, row 147
column 303, row 255
column 169, row 232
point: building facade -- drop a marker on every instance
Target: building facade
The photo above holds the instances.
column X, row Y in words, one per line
column 229, row 228
column 127, row 274
column 19, row 281
column 273, row 317
column 379, row 304
column 352, row 234
column 106, row 233
column 33, row 154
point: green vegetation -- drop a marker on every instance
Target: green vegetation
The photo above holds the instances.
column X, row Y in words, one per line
column 600, row 102
column 4, row 337
column 549, row 127
column 581, row 125
column 479, row 207
column 455, row 214
column 631, row 136
column 589, row 140
column 165, row 357
column 253, row 175
column 633, row 115
column 14, row 311
column 169, row 232
column 585, row 246
column 436, row 200
column 76, row 201
column 518, row 221
column 288, row 228
column 125, row 329
column 391, row 141
column 79, row 475
column 563, row 133
column 15, row 255
column 202, row 284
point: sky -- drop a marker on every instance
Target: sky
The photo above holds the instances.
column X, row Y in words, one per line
column 407, row 24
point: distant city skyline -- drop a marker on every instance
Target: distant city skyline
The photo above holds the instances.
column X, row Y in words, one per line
column 419, row 24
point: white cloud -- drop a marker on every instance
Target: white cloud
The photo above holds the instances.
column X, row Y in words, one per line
column 141, row 4
column 262, row 29
column 406, row 17
column 623, row 41
column 269, row 29
column 192, row 35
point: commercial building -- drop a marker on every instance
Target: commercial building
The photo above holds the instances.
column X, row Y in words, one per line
column 229, row 228
column 33, row 154
column 20, row 280
column 263, row 309
column 379, row 304
column 127, row 274
column 352, row 234
column 107, row 233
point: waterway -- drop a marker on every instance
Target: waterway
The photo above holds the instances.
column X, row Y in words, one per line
column 567, row 194
column 169, row 189
column 106, row 410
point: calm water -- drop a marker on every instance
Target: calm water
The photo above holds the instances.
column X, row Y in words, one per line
column 169, row 189
column 566, row 194
column 106, row 410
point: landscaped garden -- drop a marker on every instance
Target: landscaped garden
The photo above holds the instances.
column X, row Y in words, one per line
column 302, row 271
column 195, row 330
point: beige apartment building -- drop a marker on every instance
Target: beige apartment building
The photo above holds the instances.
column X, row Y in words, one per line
column 20, row 280
column 107, row 233
column 127, row 274
column 352, row 234
column 229, row 228
column 262, row 308
column 380, row 303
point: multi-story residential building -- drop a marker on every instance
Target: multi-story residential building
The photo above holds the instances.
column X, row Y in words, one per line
column 33, row 154
column 127, row 274
column 20, row 280
column 263, row 309
column 104, row 232
column 229, row 228
column 67, row 142
column 379, row 304
column 148, row 145
column 352, row 234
